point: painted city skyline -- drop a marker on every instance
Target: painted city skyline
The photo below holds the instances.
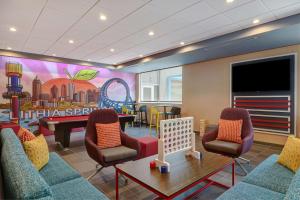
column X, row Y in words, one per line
column 47, row 82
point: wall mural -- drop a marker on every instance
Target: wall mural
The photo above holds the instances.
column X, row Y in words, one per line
column 32, row 89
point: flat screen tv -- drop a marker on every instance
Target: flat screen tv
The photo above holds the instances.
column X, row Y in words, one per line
column 272, row 74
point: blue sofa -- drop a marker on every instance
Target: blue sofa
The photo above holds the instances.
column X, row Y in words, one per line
column 56, row 180
column 268, row 181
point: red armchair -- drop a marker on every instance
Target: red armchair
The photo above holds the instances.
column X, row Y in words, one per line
column 129, row 150
column 231, row 149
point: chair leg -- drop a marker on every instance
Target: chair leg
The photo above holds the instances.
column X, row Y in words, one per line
column 244, row 159
column 150, row 125
column 157, row 123
column 124, row 178
column 96, row 172
column 241, row 166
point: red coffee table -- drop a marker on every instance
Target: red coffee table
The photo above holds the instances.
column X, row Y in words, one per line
column 186, row 172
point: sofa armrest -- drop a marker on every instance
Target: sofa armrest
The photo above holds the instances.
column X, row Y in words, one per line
column 130, row 142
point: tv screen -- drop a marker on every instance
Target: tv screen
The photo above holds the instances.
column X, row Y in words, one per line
column 263, row 75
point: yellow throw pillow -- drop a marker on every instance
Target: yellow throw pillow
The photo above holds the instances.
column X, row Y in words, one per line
column 290, row 154
column 37, row 151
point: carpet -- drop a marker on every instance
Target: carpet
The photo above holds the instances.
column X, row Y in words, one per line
column 238, row 169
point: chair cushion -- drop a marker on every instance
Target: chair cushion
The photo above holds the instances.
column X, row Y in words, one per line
column 223, row 146
column 290, row 154
column 118, row 153
column 77, row 188
column 21, row 179
column 271, row 175
column 108, row 135
column 230, row 130
column 293, row 192
column 37, row 151
column 245, row 191
column 57, row 170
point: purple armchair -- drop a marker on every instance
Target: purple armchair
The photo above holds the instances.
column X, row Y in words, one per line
column 231, row 149
column 129, row 150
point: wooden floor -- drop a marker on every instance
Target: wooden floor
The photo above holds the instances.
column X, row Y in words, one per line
column 104, row 181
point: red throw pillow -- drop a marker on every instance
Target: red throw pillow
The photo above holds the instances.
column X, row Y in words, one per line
column 108, row 135
column 25, row 135
column 230, row 130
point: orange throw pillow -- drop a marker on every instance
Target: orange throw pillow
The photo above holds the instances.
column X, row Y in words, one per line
column 230, row 130
column 108, row 135
column 25, row 135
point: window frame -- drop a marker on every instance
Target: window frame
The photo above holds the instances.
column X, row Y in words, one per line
column 158, row 101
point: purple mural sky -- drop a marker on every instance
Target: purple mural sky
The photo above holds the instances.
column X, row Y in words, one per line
column 46, row 71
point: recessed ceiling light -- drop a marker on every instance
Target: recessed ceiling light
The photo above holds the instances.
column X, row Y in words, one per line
column 151, row 33
column 71, row 41
column 181, row 43
column 141, row 55
column 12, row 29
column 103, row 17
column 229, row 1
column 9, row 48
column 256, row 21
column 112, row 50
column 89, row 59
column 54, row 54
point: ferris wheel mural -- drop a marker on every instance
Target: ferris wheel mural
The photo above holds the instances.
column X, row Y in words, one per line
column 105, row 102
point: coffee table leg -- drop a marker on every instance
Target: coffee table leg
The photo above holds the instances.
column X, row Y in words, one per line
column 233, row 172
column 117, row 184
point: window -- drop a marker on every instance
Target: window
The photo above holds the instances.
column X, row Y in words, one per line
column 162, row 85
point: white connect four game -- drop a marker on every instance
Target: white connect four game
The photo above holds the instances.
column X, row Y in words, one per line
column 176, row 135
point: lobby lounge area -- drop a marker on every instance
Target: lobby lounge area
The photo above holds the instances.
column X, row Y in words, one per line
column 149, row 99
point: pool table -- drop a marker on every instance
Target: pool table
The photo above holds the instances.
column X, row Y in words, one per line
column 62, row 126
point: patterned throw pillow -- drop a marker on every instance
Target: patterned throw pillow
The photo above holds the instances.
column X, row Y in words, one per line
column 37, row 151
column 230, row 130
column 25, row 135
column 108, row 135
column 290, row 154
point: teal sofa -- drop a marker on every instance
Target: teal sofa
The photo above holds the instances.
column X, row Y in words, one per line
column 268, row 181
column 56, row 180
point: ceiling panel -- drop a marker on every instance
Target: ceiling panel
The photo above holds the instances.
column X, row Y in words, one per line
column 36, row 45
column 276, row 4
column 21, row 15
column 50, row 24
column 76, row 7
column 264, row 18
column 221, row 5
column 44, row 27
column 196, row 13
column 251, row 9
column 287, row 11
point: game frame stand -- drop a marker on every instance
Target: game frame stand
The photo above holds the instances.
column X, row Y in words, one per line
column 176, row 135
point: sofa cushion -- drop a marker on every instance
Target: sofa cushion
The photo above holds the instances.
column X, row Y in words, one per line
column 21, row 179
column 245, row 191
column 25, row 135
column 223, row 146
column 77, row 188
column 57, row 170
column 37, row 151
column 230, row 130
column 271, row 175
column 290, row 154
column 108, row 135
column 118, row 153
column 293, row 192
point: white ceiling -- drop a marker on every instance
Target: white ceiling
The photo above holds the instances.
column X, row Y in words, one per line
column 46, row 26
